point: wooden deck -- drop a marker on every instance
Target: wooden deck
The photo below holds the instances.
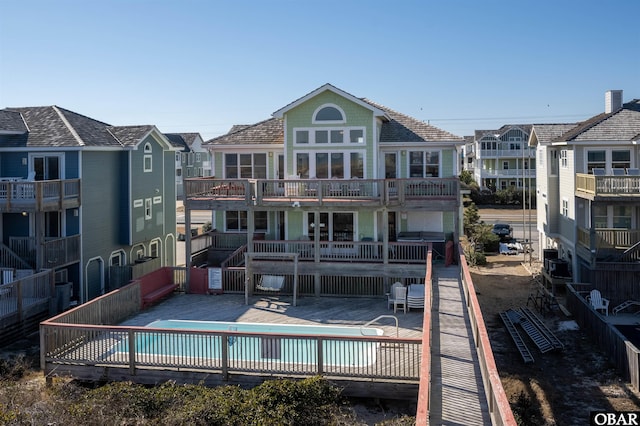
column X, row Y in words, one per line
column 457, row 390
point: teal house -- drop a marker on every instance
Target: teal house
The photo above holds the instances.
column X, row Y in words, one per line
column 83, row 198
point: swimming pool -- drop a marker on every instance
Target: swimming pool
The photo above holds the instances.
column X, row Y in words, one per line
column 262, row 342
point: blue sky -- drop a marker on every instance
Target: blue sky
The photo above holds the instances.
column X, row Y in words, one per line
column 205, row 65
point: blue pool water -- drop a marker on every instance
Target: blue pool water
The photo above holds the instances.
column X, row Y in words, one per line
column 261, row 348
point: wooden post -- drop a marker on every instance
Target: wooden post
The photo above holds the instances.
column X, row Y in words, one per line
column 295, row 279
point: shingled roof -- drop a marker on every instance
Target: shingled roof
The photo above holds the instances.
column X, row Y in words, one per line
column 269, row 131
column 52, row 126
column 402, row 128
column 545, row 133
column 620, row 125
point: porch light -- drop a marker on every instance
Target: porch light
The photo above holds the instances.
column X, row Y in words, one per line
column 25, row 214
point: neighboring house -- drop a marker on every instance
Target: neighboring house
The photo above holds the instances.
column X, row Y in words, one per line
column 331, row 167
column 588, row 194
column 192, row 160
column 501, row 158
column 79, row 196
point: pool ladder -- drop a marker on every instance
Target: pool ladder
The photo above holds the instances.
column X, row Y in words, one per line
column 380, row 317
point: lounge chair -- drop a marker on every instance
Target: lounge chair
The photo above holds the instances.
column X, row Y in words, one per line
column 598, row 302
column 633, row 172
column 598, row 171
column 617, row 171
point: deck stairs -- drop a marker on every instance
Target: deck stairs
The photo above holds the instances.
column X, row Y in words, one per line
column 517, row 338
column 624, row 305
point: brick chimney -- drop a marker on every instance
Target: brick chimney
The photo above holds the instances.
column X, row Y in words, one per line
column 612, row 101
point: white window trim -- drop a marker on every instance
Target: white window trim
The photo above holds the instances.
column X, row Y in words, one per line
column 346, row 161
column 148, row 209
column 144, row 163
column 564, row 207
column 346, row 131
column 424, row 164
column 344, row 116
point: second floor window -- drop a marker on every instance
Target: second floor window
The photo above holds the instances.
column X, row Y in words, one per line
column 596, row 159
column 245, row 166
column 563, row 158
column 565, row 207
column 148, row 162
column 424, row 164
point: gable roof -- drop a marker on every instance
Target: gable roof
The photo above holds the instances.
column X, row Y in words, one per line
column 328, row 87
column 545, row 133
column 402, row 128
column 620, row 125
column 270, row 131
column 479, row 134
column 396, row 127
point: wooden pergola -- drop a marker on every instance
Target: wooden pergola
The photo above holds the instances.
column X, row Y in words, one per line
column 250, row 257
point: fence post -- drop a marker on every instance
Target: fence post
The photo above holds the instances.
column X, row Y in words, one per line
column 132, row 353
column 320, row 359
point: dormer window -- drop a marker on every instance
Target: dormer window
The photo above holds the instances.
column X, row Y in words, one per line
column 329, row 114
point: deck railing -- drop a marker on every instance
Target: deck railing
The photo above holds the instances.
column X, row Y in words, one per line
column 628, row 186
column 228, row 352
column 36, row 195
column 610, row 239
column 347, row 251
column 265, row 191
column 499, row 408
column 25, row 294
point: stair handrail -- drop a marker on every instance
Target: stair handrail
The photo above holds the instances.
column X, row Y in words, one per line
column 380, row 317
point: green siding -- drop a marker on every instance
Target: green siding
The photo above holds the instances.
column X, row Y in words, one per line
column 447, row 163
column 356, row 116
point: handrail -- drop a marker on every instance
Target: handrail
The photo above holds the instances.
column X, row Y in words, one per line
column 380, row 317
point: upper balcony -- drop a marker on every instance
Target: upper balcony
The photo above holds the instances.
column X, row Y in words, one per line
column 615, row 187
column 19, row 195
column 508, row 173
column 506, row 153
column 233, row 194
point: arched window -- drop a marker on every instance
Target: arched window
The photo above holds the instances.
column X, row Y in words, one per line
column 329, row 114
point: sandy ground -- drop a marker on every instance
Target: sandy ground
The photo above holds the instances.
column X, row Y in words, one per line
column 563, row 387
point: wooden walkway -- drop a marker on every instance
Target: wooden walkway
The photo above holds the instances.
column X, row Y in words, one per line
column 457, row 390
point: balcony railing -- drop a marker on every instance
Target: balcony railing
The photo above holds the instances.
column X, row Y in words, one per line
column 627, row 186
column 55, row 251
column 609, row 238
column 515, row 173
column 48, row 195
column 511, row 153
column 378, row 191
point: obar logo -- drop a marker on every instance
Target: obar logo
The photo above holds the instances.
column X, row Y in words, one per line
column 610, row 418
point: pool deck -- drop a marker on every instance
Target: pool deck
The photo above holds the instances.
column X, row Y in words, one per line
column 335, row 311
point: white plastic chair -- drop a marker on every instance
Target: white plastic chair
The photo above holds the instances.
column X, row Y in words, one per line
column 598, row 302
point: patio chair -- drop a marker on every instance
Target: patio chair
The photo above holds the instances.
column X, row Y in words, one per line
column 617, row 171
column 633, row 171
column 597, row 171
column 399, row 298
column 390, row 295
column 598, row 302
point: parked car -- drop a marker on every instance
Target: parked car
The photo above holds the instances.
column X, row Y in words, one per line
column 502, row 230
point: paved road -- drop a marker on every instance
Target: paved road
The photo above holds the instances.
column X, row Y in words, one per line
column 524, row 225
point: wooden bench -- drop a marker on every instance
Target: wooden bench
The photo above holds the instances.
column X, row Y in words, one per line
column 157, row 294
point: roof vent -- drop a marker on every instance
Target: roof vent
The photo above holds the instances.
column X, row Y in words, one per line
column 612, row 101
